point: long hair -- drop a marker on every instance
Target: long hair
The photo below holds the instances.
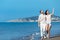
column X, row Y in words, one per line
column 46, row 12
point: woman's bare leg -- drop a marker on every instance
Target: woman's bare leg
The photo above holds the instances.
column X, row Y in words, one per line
column 49, row 31
column 47, row 28
column 42, row 38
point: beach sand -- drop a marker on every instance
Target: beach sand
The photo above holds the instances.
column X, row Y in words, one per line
column 54, row 38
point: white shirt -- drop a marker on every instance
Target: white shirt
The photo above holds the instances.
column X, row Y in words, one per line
column 41, row 18
column 48, row 18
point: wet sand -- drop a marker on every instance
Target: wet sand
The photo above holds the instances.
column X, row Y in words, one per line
column 54, row 38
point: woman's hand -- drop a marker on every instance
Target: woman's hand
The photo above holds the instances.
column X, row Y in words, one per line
column 52, row 11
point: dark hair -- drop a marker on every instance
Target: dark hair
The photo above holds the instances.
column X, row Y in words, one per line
column 46, row 12
column 40, row 11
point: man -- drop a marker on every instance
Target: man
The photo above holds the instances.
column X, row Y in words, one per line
column 41, row 24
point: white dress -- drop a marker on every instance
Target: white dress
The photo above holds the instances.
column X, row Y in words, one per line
column 48, row 19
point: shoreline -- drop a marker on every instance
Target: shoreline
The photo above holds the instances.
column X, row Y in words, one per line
column 35, row 21
column 32, row 38
column 54, row 38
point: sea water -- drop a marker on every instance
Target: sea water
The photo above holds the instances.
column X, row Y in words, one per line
column 24, row 30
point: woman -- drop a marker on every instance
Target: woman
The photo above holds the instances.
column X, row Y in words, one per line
column 48, row 22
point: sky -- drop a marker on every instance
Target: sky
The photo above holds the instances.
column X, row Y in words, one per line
column 14, row 9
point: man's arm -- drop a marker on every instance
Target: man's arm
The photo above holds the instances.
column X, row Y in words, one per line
column 39, row 21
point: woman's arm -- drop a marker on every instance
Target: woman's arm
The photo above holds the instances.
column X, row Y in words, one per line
column 52, row 11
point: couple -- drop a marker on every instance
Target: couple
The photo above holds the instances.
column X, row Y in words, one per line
column 44, row 22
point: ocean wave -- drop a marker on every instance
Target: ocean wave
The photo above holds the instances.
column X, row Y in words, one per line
column 33, row 36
